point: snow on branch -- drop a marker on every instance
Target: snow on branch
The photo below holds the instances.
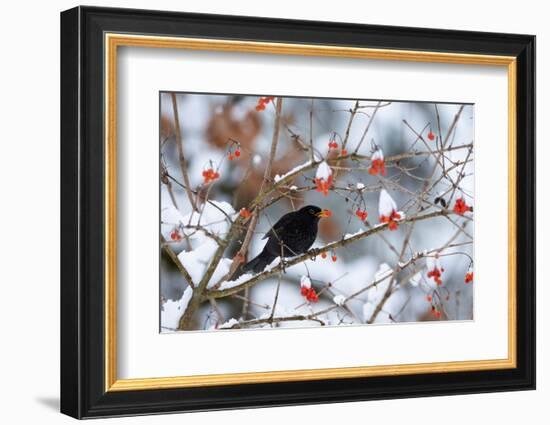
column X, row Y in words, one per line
column 419, row 183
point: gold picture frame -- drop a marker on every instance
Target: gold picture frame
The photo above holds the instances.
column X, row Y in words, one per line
column 114, row 41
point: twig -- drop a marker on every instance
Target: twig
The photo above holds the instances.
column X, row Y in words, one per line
column 176, row 261
column 368, row 126
column 182, row 161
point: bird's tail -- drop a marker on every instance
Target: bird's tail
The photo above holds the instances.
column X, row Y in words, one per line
column 259, row 263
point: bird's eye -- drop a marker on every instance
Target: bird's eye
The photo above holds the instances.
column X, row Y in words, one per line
column 311, row 211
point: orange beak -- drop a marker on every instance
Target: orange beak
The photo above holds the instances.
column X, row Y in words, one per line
column 324, row 214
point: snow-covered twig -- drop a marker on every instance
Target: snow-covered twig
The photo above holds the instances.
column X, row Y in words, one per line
column 227, row 288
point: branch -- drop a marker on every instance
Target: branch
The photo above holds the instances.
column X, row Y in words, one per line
column 291, row 176
column 274, row 143
column 353, row 112
column 254, row 220
column 312, row 253
column 271, row 320
column 164, row 179
column 199, row 292
column 389, row 289
column 314, row 316
column 176, row 261
column 368, row 126
column 182, row 161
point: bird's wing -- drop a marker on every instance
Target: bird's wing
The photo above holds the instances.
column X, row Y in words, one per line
column 279, row 226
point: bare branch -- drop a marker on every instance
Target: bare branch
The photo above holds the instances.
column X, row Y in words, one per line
column 176, row 261
column 182, row 161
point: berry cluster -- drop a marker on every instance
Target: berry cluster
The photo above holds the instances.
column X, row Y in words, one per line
column 436, row 312
column 210, row 175
column 310, row 294
column 332, row 144
column 362, row 214
column 175, row 235
column 391, row 219
column 232, row 155
column 323, row 185
column 263, row 101
column 333, row 257
column 461, row 207
column 377, row 167
column 435, row 274
column 323, row 178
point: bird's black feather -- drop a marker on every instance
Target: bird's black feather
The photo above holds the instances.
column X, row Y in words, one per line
column 292, row 235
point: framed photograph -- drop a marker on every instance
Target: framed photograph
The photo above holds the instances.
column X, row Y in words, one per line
column 261, row 212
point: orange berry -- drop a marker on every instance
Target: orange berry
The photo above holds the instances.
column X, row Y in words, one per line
column 244, row 213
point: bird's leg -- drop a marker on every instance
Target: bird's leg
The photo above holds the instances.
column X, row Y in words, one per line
column 284, row 263
column 314, row 252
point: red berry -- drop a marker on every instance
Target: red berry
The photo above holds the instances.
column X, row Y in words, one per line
column 239, row 257
column 362, row 214
column 431, row 136
column 311, row 295
column 244, row 213
column 237, row 153
column 324, row 255
column 429, row 298
column 334, row 258
column 230, row 157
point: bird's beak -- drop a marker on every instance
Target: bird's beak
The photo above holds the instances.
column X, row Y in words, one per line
column 324, row 213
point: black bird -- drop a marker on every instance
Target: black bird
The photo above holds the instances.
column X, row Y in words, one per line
column 292, row 235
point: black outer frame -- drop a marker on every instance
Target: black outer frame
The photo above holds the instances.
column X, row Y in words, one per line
column 82, row 207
